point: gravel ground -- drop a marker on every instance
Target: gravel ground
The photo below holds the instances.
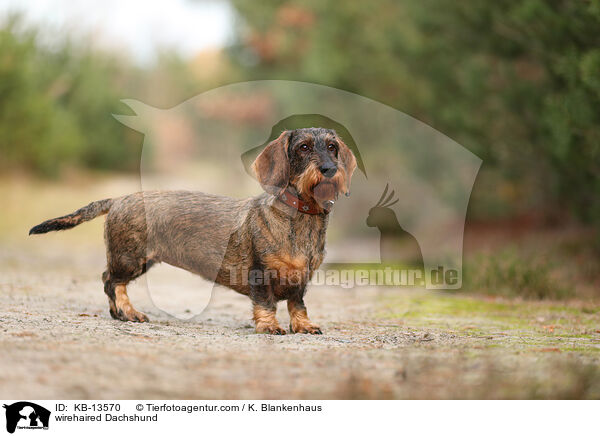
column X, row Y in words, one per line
column 57, row 340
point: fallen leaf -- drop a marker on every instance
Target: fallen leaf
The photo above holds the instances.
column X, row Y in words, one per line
column 24, row 334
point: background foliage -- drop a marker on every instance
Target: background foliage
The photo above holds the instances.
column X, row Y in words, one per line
column 518, row 83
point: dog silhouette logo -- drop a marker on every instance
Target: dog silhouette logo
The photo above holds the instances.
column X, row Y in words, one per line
column 26, row 415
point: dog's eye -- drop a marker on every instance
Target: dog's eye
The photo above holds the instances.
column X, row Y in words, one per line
column 331, row 147
column 303, row 147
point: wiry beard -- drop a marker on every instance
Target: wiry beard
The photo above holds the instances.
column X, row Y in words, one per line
column 323, row 190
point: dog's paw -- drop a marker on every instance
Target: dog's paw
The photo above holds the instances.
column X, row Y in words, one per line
column 113, row 313
column 131, row 315
column 309, row 328
column 270, row 329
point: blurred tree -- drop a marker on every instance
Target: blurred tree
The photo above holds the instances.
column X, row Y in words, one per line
column 57, row 100
column 56, row 105
column 518, row 83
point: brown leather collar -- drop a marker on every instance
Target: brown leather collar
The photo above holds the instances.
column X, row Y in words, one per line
column 293, row 201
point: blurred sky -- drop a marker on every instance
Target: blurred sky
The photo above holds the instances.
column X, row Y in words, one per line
column 137, row 26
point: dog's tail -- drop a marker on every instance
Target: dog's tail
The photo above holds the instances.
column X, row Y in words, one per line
column 86, row 213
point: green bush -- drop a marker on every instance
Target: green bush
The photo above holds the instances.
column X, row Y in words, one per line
column 518, row 83
column 56, row 104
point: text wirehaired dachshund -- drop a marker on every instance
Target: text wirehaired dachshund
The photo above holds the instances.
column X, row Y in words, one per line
column 280, row 234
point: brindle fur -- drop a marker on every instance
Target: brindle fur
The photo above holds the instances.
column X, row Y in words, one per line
column 222, row 238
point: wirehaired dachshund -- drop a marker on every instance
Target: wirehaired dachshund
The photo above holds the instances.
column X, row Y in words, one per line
column 266, row 247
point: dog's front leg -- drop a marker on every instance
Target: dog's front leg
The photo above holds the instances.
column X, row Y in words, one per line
column 265, row 320
column 299, row 322
column 264, row 309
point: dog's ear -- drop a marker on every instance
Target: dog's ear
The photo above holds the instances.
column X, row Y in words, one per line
column 349, row 163
column 272, row 166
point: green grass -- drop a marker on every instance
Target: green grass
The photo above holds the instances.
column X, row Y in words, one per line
column 529, row 323
column 511, row 274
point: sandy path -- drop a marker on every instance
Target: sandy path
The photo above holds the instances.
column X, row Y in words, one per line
column 58, row 341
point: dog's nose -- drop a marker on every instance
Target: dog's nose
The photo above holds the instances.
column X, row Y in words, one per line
column 328, row 170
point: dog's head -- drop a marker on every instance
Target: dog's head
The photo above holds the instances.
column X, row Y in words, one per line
column 314, row 161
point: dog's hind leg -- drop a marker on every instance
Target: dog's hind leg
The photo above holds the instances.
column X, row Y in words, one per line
column 119, row 305
column 125, row 310
column 127, row 255
column 118, row 301
column 109, row 290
